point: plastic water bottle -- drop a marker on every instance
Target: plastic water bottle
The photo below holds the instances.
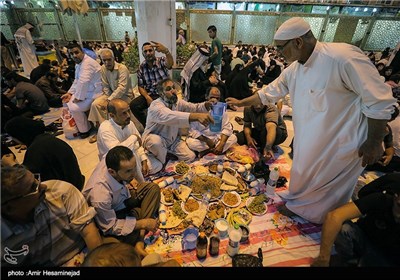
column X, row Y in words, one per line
column 166, row 182
column 162, row 214
column 244, row 168
column 257, row 182
column 205, row 199
column 273, row 179
column 235, row 234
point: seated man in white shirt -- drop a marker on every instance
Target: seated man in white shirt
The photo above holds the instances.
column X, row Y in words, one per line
column 85, row 88
column 116, row 84
column 165, row 116
column 201, row 138
column 120, row 130
column 125, row 204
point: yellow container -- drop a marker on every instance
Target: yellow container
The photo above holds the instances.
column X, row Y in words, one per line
column 51, row 55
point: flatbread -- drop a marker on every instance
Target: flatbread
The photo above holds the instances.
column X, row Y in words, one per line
column 226, row 187
column 172, row 221
column 184, row 192
column 197, row 216
column 229, row 179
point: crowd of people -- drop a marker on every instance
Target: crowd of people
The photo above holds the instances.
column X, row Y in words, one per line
column 344, row 112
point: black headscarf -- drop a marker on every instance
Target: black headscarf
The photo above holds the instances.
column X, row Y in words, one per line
column 24, row 129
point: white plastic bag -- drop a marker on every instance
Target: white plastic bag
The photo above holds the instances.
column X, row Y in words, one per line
column 68, row 124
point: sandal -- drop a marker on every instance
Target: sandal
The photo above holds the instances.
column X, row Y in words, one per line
column 239, row 120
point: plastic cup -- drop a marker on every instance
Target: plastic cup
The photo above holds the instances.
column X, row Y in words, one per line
column 190, row 238
column 217, row 125
column 222, row 225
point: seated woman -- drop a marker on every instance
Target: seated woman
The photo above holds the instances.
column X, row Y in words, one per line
column 51, row 157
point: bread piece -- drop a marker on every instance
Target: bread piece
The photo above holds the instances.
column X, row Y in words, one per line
column 226, row 187
column 229, row 179
column 172, row 221
column 184, row 192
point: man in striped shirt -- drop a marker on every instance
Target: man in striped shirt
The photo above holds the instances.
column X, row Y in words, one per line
column 43, row 223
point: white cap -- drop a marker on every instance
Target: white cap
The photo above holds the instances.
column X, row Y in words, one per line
column 292, row 28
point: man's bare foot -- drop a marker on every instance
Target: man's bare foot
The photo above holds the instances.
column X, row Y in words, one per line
column 203, row 153
column 285, row 211
column 139, row 247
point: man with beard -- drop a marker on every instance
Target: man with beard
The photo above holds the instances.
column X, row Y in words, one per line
column 335, row 86
column 165, row 116
column 151, row 71
column 120, row 130
column 50, row 221
column 116, row 84
column 124, row 203
column 85, row 88
column 193, row 76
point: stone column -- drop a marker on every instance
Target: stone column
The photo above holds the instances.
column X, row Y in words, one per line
column 156, row 21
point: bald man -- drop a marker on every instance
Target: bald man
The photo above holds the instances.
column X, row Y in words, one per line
column 120, row 130
column 340, row 110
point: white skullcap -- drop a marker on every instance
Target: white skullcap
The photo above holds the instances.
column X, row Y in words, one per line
column 292, row 28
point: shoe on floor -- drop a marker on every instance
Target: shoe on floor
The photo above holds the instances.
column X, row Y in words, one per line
column 84, row 135
column 93, row 139
column 239, row 120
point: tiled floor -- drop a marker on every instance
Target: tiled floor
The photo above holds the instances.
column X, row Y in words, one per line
column 87, row 153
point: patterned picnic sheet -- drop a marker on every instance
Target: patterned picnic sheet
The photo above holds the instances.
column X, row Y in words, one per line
column 285, row 242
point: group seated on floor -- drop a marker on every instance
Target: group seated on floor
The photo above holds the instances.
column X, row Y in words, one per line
column 136, row 138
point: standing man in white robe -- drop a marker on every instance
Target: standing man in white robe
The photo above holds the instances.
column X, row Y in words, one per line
column 26, row 47
column 340, row 110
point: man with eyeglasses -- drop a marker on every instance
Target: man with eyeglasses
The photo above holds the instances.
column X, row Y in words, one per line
column 340, row 111
column 201, row 139
column 166, row 116
column 151, row 71
column 43, row 223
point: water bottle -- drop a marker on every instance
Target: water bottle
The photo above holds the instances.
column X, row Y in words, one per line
column 162, row 214
column 244, row 168
column 273, row 179
column 166, row 182
column 201, row 246
column 257, row 182
column 214, row 243
column 205, row 200
column 235, row 234
column 220, row 169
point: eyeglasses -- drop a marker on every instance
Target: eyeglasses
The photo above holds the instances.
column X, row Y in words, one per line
column 34, row 188
column 169, row 88
column 280, row 48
